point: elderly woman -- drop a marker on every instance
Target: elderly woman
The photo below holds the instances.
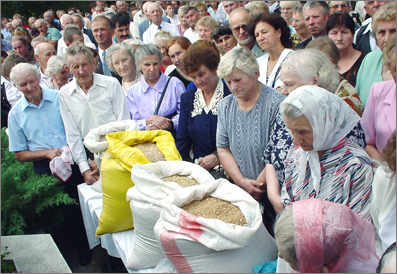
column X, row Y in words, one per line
column 59, row 72
column 144, row 97
column 245, row 120
column 319, row 71
column 379, row 118
column 383, row 200
column 324, row 163
column 120, row 58
column 205, row 26
column 287, row 8
column 183, row 26
column 175, row 49
column 316, row 236
column 272, row 35
column 199, row 117
column 160, row 39
column 302, row 33
column 224, row 39
column 340, row 29
column 370, row 72
column 258, row 7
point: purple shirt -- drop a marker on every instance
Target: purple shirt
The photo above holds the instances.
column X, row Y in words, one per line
column 142, row 99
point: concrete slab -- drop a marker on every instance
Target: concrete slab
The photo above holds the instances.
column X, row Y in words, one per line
column 34, row 254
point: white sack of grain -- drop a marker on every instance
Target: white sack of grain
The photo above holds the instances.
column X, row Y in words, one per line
column 197, row 244
column 145, row 198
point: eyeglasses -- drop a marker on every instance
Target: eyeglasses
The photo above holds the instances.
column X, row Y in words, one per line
column 243, row 26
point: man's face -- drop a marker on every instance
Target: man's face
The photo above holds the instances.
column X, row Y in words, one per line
column 339, row 6
column 191, row 18
column 10, row 27
column 155, row 14
column 20, row 48
column 46, row 51
column 29, row 85
column 230, row 6
column 372, row 6
column 47, row 16
column 99, row 9
column 67, row 21
column 170, row 11
column 16, row 23
column 77, row 21
column 100, row 3
column 121, row 33
column 102, row 33
column 316, row 21
column 81, row 68
column 4, row 22
column 121, row 6
column 145, row 10
column 240, row 25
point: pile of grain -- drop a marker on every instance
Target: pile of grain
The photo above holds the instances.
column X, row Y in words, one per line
column 214, row 208
column 183, row 181
column 151, row 152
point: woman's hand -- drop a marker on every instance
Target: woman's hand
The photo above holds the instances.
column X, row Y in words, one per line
column 159, row 122
column 254, row 188
column 209, row 161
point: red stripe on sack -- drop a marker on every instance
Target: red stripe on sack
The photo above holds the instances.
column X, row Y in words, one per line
column 172, row 252
column 189, row 225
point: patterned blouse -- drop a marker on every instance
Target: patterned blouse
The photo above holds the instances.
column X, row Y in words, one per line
column 346, row 178
column 349, row 94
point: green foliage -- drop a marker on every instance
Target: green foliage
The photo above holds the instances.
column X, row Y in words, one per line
column 28, row 201
column 6, row 267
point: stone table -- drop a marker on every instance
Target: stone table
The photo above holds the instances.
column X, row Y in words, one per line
column 34, row 254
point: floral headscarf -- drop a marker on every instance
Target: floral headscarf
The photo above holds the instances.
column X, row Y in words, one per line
column 331, row 120
column 331, row 234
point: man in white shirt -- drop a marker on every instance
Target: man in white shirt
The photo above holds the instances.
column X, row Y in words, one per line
column 170, row 10
column 155, row 12
column 42, row 53
column 192, row 16
column 139, row 17
column 88, row 101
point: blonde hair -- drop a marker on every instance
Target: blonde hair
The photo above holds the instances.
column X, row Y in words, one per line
column 258, row 7
column 385, row 13
column 208, row 21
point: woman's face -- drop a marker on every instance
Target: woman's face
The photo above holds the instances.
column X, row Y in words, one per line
column 266, row 36
column 204, row 78
column 286, row 13
column 161, row 44
column 123, row 63
column 301, row 131
column 176, row 53
column 62, row 76
column 291, row 80
column 384, row 32
column 150, row 67
column 299, row 24
column 241, row 84
column 182, row 18
column 204, row 33
column 226, row 42
column 342, row 37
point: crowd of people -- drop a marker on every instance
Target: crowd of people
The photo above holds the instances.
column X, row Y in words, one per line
column 293, row 101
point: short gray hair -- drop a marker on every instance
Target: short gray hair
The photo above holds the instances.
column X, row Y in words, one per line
column 309, row 62
column 63, row 18
column 76, row 48
column 241, row 58
column 70, row 31
column 21, row 69
column 284, row 234
column 146, row 50
column 133, row 42
column 162, row 35
column 113, row 49
column 55, row 63
column 313, row 4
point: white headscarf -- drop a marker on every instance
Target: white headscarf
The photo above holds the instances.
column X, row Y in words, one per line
column 331, row 120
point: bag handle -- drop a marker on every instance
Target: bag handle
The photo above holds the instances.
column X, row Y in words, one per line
column 156, row 111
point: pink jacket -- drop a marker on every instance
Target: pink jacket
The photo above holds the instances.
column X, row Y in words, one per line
column 379, row 118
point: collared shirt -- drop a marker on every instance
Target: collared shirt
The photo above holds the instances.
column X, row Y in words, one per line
column 6, row 45
column 174, row 20
column 45, row 81
column 81, row 112
column 13, row 94
column 192, row 35
column 53, row 34
column 61, row 48
column 372, row 39
column 256, row 50
column 142, row 100
column 149, row 34
column 34, row 128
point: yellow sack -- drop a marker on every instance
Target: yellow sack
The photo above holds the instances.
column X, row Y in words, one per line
column 116, row 174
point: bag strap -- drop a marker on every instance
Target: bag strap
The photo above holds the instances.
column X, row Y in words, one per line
column 156, row 111
column 278, row 70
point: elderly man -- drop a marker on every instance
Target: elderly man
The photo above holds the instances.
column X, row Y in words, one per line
column 42, row 53
column 21, row 46
column 191, row 16
column 154, row 11
column 49, row 16
column 36, row 134
column 121, row 6
column 79, row 22
column 37, row 40
column 240, row 23
column 139, row 17
column 17, row 23
column 52, row 34
column 364, row 37
column 121, row 23
column 66, row 20
column 146, row 23
column 88, row 101
column 316, row 15
column 103, row 30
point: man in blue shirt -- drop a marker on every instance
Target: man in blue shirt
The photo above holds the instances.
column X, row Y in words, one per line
column 36, row 134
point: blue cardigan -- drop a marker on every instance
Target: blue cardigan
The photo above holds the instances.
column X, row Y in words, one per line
column 199, row 130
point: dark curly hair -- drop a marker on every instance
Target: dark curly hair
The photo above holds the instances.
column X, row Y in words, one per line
column 389, row 153
column 277, row 22
column 202, row 52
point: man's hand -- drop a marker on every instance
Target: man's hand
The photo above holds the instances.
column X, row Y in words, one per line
column 159, row 121
column 209, row 161
column 92, row 175
column 254, row 188
column 52, row 153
